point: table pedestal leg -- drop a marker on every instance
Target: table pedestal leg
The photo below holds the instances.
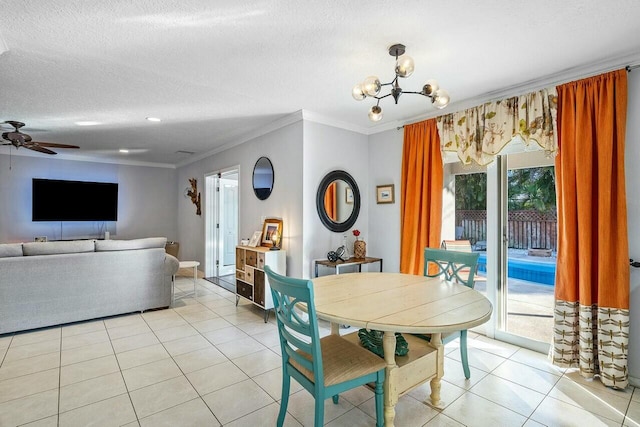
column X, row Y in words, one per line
column 390, row 387
column 436, row 341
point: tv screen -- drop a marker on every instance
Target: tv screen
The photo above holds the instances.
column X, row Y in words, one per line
column 57, row 200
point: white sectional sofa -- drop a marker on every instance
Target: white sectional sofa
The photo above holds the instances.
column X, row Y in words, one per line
column 51, row 283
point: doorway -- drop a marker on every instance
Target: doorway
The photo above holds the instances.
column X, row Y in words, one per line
column 507, row 211
column 221, row 226
column 528, row 247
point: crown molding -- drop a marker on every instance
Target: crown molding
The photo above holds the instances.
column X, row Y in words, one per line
column 273, row 126
column 330, row 121
column 81, row 158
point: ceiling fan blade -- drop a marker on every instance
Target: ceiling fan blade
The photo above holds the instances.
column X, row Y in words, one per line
column 53, row 144
column 40, row 149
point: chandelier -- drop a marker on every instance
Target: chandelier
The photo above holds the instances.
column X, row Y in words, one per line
column 371, row 86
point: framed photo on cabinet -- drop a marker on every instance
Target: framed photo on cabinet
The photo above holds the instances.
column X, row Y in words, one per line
column 271, row 228
column 255, row 239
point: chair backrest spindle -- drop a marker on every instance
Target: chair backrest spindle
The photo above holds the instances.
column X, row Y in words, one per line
column 299, row 337
column 452, row 265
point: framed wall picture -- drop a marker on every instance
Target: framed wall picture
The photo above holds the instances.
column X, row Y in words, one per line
column 269, row 229
column 255, row 239
column 348, row 195
column 385, row 194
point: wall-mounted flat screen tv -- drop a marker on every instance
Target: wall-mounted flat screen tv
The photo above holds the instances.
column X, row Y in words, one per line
column 58, row 200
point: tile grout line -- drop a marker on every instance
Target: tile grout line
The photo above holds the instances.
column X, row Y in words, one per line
column 231, row 361
column 115, row 355
column 181, row 371
column 59, row 380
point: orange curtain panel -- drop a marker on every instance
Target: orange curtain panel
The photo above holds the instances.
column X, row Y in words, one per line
column 591, row 317
column 421, row 195
column 331, row 202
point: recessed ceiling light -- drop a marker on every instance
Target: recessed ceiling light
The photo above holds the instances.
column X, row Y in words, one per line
column 154, row 119
column 124, row 150
column 87, row 123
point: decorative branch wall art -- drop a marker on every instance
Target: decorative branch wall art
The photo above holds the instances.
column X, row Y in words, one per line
column 195, row 196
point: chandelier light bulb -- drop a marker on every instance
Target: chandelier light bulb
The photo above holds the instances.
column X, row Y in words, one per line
column 358, row 93
column 375, row 114
column 371, row 86
column 404, row 66
column 441, row 99
column 430, row 87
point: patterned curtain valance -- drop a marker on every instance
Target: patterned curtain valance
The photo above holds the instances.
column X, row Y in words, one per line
column 478, row 134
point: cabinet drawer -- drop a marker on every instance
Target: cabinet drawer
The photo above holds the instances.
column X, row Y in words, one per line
column 240, row 258
column 258, row 287
column 248, row 274
column 251, row 258
column 240, row 274
column 244, row 289
column 261, row 261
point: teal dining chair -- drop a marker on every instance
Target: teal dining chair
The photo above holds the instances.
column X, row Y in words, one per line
column 458, row 267
column 463, row 246
column 324, row 367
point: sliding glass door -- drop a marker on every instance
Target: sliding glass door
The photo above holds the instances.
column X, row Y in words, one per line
column 531, row 250
column 508, row 213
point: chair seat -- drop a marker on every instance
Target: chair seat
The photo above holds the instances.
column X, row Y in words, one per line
column 342, row 361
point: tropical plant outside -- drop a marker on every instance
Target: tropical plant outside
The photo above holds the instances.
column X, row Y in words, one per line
column 529, row 189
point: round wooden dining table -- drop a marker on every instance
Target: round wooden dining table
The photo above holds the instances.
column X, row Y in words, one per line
column 408, row 304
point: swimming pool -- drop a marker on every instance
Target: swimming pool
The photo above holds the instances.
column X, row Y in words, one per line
column 525, row 269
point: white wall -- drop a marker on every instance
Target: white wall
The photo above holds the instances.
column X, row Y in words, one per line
column 302, row 154
column 284, row 148
column 385, row 167
column 146, row 206
column 326, row 149
column 632, row 155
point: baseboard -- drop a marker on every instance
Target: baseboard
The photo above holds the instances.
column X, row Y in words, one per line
column 634, row 381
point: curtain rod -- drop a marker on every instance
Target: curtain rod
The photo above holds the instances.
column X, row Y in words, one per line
column 629, row 68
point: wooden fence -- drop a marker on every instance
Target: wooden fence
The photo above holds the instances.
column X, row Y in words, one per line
column 527, row 229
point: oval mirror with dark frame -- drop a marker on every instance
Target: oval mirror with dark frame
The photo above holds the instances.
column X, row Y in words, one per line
column 263, row 178
column 338, row 201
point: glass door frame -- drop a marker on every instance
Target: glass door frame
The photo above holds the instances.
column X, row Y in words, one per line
column 497, row 257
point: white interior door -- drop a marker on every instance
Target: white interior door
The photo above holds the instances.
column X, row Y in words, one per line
column 221, row 222
column 228, row 224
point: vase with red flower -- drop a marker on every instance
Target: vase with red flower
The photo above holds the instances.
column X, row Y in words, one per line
column 359, row 246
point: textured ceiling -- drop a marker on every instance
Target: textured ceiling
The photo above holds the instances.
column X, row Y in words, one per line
column 217, row 71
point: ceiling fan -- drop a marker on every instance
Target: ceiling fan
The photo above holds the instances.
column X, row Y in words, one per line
column 20, row 139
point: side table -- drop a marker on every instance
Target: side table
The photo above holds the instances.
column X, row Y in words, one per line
column 351, row 261
column 186, row 264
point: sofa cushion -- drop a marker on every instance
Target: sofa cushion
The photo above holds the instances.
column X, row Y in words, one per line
column 8, row 250
column 125, row 245
column 52, row 248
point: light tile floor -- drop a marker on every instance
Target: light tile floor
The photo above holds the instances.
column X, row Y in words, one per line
column 208, row 362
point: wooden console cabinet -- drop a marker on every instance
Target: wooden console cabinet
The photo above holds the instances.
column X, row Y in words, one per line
column 251, row 282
